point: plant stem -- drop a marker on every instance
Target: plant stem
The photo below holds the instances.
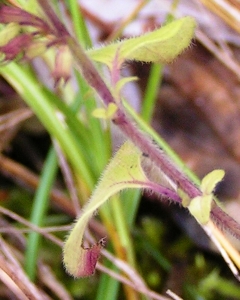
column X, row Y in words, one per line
column 87, row 68
column 144, row 126
column 126, row 125
column 140, row 139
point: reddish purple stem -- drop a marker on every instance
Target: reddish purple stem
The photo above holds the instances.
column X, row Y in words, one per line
column 127, row 126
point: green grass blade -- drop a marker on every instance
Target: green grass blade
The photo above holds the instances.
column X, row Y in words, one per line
column 79, row 24
column 39, row 210
column 151, row 92
column 35, row 96
column 108, row 287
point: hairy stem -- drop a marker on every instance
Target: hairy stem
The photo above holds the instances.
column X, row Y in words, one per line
column 141, row 140
column 120, row 119
column 127, row 126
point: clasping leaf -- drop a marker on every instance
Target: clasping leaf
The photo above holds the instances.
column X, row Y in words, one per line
column 124, row 171
column 200, row 206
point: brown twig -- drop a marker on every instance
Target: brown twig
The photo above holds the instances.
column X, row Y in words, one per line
column 14, row 277
column 21, row 174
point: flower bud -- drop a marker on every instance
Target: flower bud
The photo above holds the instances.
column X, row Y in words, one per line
column 9, row 32
column 15, row 46
column 63, row 63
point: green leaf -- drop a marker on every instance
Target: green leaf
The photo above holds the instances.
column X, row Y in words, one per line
column 120, row 84
column 124, row 171
column 161, row 45
column 200, row 208
column 105, row 113
column 210, row 181
column 184, row 196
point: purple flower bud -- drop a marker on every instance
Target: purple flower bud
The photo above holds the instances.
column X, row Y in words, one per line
column 16, row 46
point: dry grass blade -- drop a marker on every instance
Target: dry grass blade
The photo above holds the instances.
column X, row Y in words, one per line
column 20, row 173
column 229, row 11
column 14, row 277
column 49, row 280
column 30, row 225
column 228, row 60
column 13, row 118
column 141, row 289
column 45, row 275
column 68, row 178
column 224, row 247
